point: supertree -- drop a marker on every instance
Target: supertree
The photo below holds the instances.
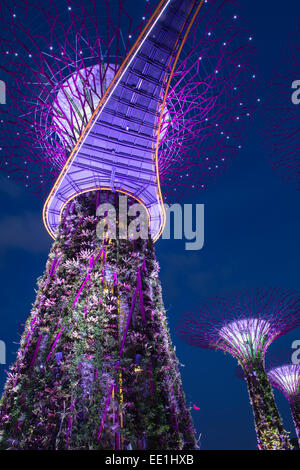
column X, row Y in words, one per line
column 103, row 117
column 282, row 133
column 286, row 378
column 244, row 325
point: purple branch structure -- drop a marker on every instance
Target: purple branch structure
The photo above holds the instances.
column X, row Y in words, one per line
column 286, row 378
column 244, row 325
column 98, row 108
column 282, row 133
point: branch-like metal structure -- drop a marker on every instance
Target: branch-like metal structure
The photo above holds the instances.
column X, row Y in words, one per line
column 97, row 105
column 244, row 325
column 286, row 378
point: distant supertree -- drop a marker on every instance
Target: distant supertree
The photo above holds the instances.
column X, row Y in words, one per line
column 287, row 379
column 282, row 133
column 99, row 109
column 244, row 325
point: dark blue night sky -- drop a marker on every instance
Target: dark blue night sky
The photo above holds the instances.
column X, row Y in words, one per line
column 252, row 233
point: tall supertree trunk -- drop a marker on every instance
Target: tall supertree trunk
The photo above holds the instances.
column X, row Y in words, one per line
column 96, row 368
column 268, row 424
column 295, row 409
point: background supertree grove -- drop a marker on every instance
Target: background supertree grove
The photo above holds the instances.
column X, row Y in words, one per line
column 286, row 378
column 96, row 368
column 281, row 108
column 244, row 325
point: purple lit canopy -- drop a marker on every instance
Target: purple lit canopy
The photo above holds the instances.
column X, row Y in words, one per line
column 282, row 106
column 145, row 130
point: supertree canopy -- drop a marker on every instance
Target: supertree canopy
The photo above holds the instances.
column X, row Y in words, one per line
column 58, row 61
column 286, row 378
column 244, row 325
column 282, row 133
column 105, row 110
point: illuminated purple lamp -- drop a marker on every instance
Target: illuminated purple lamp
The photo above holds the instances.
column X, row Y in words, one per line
column 286, row 378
